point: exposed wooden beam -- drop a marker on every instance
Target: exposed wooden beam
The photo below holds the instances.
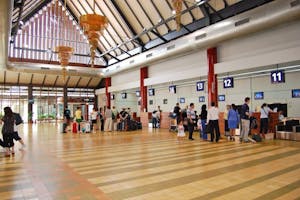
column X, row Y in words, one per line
column 54, row 84
column 39, row 85
column 87, row 85
column 31, row 79
column 67, row 82
column 18, row 81
column 76, row 86
column 28, row 60
column 43, row 83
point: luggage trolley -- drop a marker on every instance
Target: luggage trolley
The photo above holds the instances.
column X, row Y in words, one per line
column 173, row 122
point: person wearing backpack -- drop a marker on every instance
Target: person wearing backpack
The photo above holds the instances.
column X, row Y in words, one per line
column 245, row 118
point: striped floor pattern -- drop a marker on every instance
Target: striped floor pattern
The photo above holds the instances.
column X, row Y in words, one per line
column 148, row 165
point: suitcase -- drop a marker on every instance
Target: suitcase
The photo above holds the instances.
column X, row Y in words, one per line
column 64, row 128
column 74, row 127
column 87, row 127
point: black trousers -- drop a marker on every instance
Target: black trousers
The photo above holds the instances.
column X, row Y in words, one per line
column 214, row 130
column 191, row 130
column 1, row 143
column 264, row 125
column 8, row 140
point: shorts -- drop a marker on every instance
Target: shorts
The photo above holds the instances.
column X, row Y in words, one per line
column 94, row 121
column 16, row 136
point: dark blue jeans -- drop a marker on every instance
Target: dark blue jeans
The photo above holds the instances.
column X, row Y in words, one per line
column 203, row 124
column 154, row 122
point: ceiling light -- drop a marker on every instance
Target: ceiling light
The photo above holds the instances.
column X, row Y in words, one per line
column 223, row 24
column 173, row 12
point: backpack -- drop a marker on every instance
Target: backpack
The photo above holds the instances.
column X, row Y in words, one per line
column 257, row 138
column 18, row 119
column 253, row 123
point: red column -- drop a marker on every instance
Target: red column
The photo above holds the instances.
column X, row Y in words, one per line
column 107, row 84
column 143, row 88
column 212, row 82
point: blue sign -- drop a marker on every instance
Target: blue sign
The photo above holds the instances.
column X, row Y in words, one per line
column 221, row 97
column 202, row 99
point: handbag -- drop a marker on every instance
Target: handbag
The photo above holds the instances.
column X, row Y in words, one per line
column 208, row 128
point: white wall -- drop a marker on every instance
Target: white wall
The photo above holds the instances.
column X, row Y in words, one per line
column 277, row 45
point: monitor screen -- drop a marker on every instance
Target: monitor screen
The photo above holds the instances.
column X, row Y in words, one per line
column 258, row 95
column 137, row 93
column 151, row 92
column 200, row 85
column 221, row 97
column 202, row 99
column 124, row 95
column 112, row 96
column 172, row 89
column 296, row 93
column 182, row 100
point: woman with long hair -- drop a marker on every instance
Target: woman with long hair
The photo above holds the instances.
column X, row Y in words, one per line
column 8, row 130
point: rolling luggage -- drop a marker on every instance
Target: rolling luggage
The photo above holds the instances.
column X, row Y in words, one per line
column 64, row 128
column 74, row 127
column 87, row 127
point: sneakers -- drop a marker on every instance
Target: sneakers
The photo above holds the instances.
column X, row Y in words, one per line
column 23, row 147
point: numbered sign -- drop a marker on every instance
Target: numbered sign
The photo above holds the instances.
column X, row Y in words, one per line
column 228, row 82
column 200, row 85
column 202, row 99
column 151, row 92
column 277, row 76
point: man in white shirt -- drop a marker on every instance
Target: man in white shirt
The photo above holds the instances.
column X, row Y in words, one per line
column 213, row 121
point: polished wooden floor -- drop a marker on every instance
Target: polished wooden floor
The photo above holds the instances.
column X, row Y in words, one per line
column 147, row 164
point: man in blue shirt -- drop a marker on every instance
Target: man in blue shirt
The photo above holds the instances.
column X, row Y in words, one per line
column 245, row 117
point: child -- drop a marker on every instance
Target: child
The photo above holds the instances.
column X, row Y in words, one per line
column 180, row 134
column 199, row 126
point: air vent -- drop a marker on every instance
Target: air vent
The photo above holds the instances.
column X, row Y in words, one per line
column 149, row 55
column 117, row 67
column 72, row 70
column 107, row 70
column 295, row 3
column 45, row 68
column 132, row 61
column 170, row 47
column 241, row 22
column 198, row 37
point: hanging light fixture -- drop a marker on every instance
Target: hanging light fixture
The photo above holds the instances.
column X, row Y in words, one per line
column 177, row 4
column 93, row 26
column 64, row 52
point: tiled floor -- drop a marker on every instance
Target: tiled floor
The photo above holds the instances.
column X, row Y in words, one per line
column 146, row 165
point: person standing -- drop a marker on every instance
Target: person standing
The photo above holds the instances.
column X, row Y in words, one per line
column 154, row 119
column 203, row 117
column 228, row 107
column 78, row 118
column 233, row 120
column 158, row 116
column 8, row 130
column 191, row 116
column 213, row 121
column 115, row 114
column 67, row 119
column 94, row 115
column 101, row 117
column 264, row 119
column 181, row 133
column 176, row 111
column 245, row 118
column 108, row 119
